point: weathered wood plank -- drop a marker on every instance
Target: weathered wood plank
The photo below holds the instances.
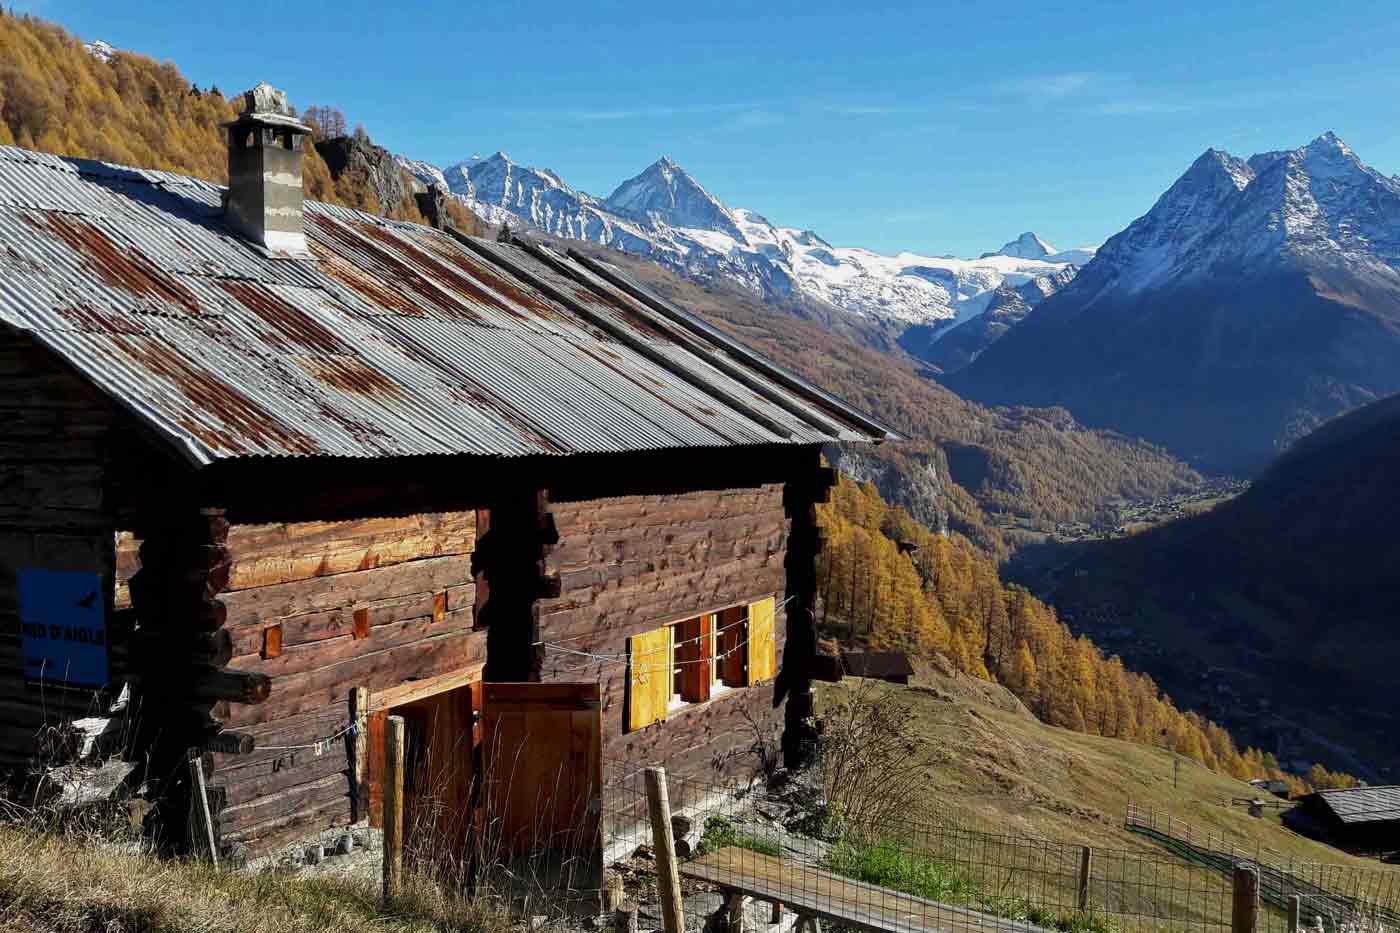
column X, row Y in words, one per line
column 311, row 627
column 296, row 659
column 377, row 670
column 287, row 800
column 265, row 603
column 813, row 892
column 291, row 825
column 284, row 553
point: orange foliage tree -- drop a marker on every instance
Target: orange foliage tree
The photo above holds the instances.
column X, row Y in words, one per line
column 888, row 582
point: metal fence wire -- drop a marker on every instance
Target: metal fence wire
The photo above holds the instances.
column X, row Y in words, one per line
column 775, row 844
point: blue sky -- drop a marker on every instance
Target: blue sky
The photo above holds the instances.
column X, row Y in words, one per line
column 932, row 127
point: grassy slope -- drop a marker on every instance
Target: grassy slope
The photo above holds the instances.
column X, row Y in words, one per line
column 998, row 769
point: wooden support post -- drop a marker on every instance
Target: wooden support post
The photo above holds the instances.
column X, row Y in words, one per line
column 625, row 921
column 359, row 764
column 668, row 878
column 1295, row 914
column 777, row 916
column 394, row 741
column 201, row 803
column 1086, row 865
column 1245, row 917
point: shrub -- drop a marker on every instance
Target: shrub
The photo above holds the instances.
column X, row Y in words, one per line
column 888, row 864
column 720, row 833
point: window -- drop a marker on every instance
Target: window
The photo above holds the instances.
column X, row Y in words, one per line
column 692, row 660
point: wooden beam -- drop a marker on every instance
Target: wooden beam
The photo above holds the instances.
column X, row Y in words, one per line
column 234, row 686
column 412, row 690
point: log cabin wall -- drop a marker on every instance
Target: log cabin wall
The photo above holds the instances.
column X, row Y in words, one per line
column 628, row 564
column 55, row 514
column 323, row 607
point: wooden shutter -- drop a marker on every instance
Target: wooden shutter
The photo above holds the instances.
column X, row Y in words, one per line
column 763, row 641
column 694, row 657
column 648, row 677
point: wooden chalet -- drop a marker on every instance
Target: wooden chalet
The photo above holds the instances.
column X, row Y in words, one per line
column 273, row 471
column 1362, row 820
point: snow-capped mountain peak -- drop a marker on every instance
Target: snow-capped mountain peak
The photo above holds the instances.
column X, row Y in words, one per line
column 665, row 214
column 1226, row 214
column 1256, row 298
column 1027, row 246
column 668, row 193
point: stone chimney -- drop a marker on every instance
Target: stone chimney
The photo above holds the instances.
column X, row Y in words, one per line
column 264, row 195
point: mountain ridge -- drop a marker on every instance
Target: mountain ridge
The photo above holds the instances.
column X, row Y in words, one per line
column 1255, row 299
column 664, row 214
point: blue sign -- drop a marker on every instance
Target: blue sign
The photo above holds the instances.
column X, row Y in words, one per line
column 63, row 627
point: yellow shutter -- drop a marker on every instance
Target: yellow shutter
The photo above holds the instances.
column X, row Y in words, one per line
column 763, row 642
column 648, row 677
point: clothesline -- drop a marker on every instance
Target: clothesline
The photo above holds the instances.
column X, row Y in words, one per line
column 632, row 657
column 322, row 745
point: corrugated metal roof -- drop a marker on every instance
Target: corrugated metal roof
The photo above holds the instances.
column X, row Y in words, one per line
column 1363, row 804
column 396, row 340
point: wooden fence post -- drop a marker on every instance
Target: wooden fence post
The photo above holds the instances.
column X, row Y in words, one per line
column 1086, row 865
column 1295, row 914
column 394, row 741
column 199, row 795
column 359, row 715
column 668, row 878
column 1245, row 917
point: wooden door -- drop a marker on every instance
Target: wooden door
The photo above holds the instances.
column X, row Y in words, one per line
column 543, row 760
column 441, row 766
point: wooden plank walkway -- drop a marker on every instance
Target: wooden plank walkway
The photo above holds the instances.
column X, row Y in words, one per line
column 809, row 891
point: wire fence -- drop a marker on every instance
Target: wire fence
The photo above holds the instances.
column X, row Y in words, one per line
column 1324, row 886
column 778, row 845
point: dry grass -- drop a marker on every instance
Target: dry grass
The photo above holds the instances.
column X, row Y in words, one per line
column 63, row 884
column 998, row 769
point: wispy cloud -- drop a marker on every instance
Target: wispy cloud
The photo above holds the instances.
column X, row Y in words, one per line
column 1130, row 108
column 1052, row 86
column 869, row 110
column 752, row 119
column 586, row 115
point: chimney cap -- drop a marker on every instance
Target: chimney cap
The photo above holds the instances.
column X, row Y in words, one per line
column 264, row 98
column 267, row 105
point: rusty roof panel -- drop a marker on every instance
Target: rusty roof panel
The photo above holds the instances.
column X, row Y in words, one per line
column 396, row 340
